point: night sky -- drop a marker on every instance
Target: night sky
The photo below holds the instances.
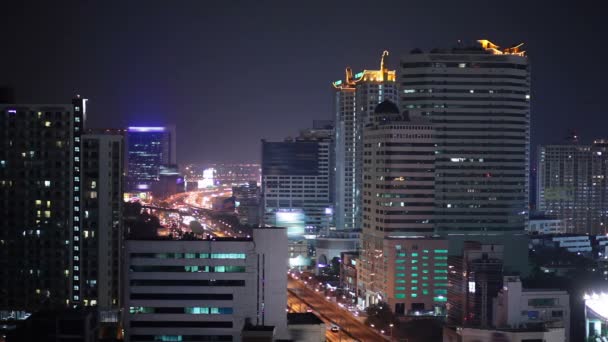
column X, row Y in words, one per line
column 230, row 73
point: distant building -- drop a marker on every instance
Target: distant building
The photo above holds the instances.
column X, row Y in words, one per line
column 148, row 148
column 187, row 290
column 170, row 182
column 236, row 173
column 41, row 231
column 296, row 184
column 356, row 97
column 330, row 246
column 541, row 225
column 478, row 100
column 475, row 278
column 596, row 316
column 516, row 306
column 248, row 197
column 572, row 185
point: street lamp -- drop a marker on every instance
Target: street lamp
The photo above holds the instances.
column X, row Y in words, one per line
column 391, row 335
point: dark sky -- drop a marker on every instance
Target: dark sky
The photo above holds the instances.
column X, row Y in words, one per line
column 229, row 73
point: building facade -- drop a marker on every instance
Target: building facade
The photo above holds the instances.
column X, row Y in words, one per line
column 148, row 148
column 356, row 97
column 102, row 221
column 205, row 290
column 398, row 211
column 478, row 101
column 40, row 175
column 516, row 306
column 571, row 183
column 541, row 225
column 475, row 278
column 296, row 184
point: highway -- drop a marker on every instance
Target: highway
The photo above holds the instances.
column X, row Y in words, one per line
column 329, row 311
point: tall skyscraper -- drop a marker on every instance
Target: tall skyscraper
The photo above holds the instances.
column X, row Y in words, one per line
column 41, row 228
column 295, row 183
column 148, row 149
column 478, row 100
column 101, row 217
column 401, row 263
column 572, row 185
column 356, row 98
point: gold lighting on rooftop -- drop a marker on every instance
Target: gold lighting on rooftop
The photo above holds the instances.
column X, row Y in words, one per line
column 367, row 75
column 496, row 50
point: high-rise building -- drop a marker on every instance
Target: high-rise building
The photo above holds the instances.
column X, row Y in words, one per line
column 205, row 290
column 572, row 185
column 401, row 262
column 478, row 101
column 148, row 149
column 356, row 98
column 295, row 184
column 101, row 217
column 41, row 228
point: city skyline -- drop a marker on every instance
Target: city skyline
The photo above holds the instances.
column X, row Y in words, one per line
column 156, row 68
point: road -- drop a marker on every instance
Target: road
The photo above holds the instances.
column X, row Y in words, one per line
column 297, row 305
column 329, row 311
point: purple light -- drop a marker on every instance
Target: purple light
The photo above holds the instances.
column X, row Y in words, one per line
column 12, row 111
column 146, row 129
column 143, row 186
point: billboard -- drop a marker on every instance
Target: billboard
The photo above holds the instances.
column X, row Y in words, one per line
column 292, row 219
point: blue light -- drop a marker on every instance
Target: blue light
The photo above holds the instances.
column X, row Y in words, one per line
column 146, row 129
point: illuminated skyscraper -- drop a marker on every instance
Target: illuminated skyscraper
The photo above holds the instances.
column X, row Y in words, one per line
column 40, row 205
column 148, row 149
column 356, row 97
column 478, row 100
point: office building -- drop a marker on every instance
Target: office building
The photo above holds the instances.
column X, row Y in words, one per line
column 235, row 173
column 398, row 264
column 356, row 97
column 516, row 307
column 478, row 100
column 543, row 225
column 41, row 227
column 101, row 216
column 296, row 184
column 572, row 185
column 475, row 278
column 205, row 290
column 247, row 199
column 148, row 148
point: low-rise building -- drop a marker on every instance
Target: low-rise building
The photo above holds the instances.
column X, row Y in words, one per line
column 348, row 273
column 516, row 307
column 537, row 333
column 205, row 289
column 305, row 327
column 542, row 225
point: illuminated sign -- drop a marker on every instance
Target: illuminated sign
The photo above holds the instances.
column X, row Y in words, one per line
column 292, row 219
column 359, row 74
column 146, row 129
column 337, row 83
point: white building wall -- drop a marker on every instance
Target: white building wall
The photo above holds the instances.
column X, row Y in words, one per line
column 261, row 298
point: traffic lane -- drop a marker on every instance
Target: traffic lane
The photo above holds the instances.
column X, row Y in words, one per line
column 297, row 305
column 337, row 315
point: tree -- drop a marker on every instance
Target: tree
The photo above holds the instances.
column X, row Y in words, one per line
column 380, row 315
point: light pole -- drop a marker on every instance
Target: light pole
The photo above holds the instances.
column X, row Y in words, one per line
column 391, row 336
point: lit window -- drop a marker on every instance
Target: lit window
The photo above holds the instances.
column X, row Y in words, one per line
column 47, row 124
column 47, row 183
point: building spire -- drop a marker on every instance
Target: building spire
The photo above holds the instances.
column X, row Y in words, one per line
column 382, row 66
